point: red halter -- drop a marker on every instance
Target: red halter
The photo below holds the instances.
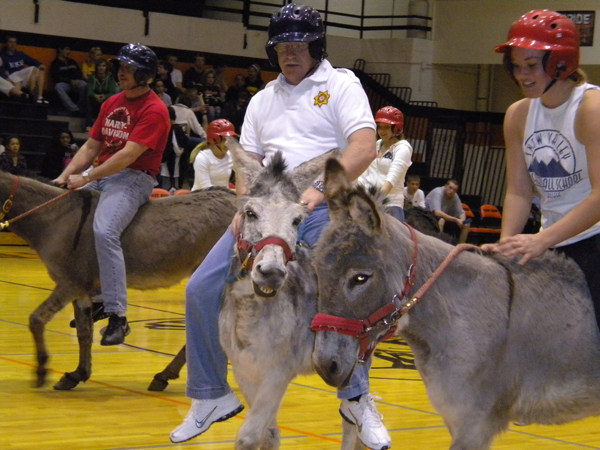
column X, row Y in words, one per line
column 9, row 201
column 380, row 325
column 247, row 252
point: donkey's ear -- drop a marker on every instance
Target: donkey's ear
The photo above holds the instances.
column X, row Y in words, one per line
column 242, row 162
column 364, row 213
column 306, row 173
column 337, row 189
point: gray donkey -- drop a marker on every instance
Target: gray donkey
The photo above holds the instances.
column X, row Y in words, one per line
column 165, row 242
column 266, row 312
column 493, row 341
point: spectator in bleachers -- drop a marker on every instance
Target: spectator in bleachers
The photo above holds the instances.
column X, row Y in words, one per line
column 170, row 165
column 211, row 159
column 445, row 204
column 413, row 196
column 176, row 75
column 101, row 85
column 23, row 70
column 194, row 76
column 388, row 169
column 239, row 85
column 213, row 96
column 59, row 155
column 12, row 160
column 254, row 82
column 8, row 88
column 88, row 67
column 185, row 116
column 159, row 87
column 236, row 111
column 163, row 73
column 68, row 79
column 197, row 105
column 220, row 69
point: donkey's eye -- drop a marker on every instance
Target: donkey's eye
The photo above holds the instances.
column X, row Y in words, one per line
column 250, row 214
column 359, row 279
column 297, row 221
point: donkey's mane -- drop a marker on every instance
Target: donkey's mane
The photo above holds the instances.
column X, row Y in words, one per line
column 274, row 176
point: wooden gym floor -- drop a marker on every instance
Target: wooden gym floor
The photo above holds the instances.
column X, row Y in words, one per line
column 113, row 410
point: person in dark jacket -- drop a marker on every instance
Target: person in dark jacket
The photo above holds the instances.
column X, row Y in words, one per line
column 68, row 79
column 59, row 155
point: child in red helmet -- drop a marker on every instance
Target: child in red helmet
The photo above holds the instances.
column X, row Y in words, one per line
column 213, row 168
column 552, row 146
column 388, row 170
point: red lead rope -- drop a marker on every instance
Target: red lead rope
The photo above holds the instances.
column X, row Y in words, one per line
column 9, row 202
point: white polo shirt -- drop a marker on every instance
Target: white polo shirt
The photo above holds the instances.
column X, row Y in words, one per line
column 306, row 120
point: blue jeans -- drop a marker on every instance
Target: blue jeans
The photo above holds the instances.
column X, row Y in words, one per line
column 121, row 196
column 206, row 360
column 63, row 90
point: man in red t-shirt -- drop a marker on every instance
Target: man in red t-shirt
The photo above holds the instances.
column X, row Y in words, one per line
column 128, row 139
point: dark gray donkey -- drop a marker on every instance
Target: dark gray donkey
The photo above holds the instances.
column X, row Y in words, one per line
column 494, row 342
column 165, row 242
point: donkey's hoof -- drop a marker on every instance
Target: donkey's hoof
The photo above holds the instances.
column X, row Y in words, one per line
column 40, row 378
column 158, row 384
column 66, row 383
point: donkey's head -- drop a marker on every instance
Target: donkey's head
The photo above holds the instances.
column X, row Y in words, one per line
column 354, row 263
column 271, row 214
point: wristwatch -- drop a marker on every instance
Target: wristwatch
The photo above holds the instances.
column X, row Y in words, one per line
column 319, row 186
column 86, row 176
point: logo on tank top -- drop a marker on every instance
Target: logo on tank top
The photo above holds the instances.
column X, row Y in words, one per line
column 322, row 98
column 552, row 162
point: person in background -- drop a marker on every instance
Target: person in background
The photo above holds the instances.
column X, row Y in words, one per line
column 388, row 170
column 341, row 119
column 236, row 111
column 445, row 203
column 164, row 74
column 254, row 82
column 88, row 67
column 213, row 96
column 12, row 160
column 194, row 76
column 59, row 155
column 128, row 138
column 552, row 147
column 170, row 166
column 239, row 85
column 159, row 88
column 176, row 75
column 413, row 196
column 211, row 159
column 68, row 79
column 101, row 85
column 23, row 70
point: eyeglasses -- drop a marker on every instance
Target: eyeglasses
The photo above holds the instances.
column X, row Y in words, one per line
column 295, row 49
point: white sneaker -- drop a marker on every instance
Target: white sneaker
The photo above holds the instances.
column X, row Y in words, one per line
column 371, row 430
column 203, row 414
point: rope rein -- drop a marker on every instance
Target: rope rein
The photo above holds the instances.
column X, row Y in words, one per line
column 8, row 204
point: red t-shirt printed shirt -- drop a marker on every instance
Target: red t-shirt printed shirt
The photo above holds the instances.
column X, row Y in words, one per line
column 143, row 120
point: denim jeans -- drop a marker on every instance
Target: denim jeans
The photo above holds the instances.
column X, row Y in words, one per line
column 63, row 90
column 206, row 360
column 121, row 196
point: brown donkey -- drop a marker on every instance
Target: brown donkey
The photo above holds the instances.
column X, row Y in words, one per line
column 166, row 241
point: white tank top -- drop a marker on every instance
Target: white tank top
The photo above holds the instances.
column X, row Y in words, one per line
column 556, row 160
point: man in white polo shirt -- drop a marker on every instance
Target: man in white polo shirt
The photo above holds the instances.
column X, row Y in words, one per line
column 308, row 110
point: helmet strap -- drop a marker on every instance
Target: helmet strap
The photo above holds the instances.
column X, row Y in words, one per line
column 312, row 69
column 560, row 68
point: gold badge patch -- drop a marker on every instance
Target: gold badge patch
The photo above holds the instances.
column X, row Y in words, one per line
column 322, row 98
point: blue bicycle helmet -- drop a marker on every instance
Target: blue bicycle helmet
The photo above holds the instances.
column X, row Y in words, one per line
column 141, row 57
column 297, row 23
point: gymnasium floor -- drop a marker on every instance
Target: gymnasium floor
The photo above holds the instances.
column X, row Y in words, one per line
column 113, row 410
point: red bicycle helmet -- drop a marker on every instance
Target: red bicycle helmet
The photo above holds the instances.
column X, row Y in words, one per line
column 393, row 116
column 218, row 129
column 541, row 29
